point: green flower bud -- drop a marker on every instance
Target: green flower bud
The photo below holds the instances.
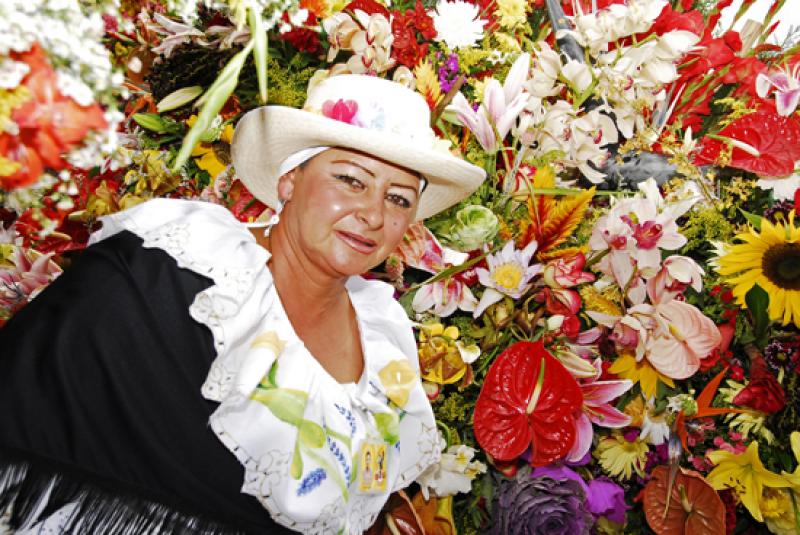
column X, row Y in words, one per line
column 473, row 226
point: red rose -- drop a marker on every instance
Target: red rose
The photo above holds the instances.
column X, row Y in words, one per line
column 763, row 392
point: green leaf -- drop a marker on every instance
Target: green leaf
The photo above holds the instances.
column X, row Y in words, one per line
column 311, row 434
column 296, row 469
column 286, row 404
column 757, row 301
column 260, row 53
column 212, row 101
column 178, row 98
column 753, row 219
column 151, row 121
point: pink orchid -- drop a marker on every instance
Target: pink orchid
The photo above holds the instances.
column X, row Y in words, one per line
column 566, row 272
column 785, row 84
column 421, row 250
column 635, row 231
column 597, row 409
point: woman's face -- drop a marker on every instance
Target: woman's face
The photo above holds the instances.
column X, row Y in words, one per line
column 347, row 211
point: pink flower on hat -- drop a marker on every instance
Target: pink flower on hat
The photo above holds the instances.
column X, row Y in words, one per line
column 341, row 110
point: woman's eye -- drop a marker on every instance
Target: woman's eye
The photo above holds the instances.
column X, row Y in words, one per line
column 351, row 181
column 399, row 200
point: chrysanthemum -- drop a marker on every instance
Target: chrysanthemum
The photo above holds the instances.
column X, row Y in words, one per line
column 457, row 24
column 770, row 258
column 620, row 457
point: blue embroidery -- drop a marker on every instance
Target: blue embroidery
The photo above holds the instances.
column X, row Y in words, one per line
column 349, row 417
column 334, row 447
column 311, row 481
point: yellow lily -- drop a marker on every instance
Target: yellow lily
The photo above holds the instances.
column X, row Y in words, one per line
column 745, row 473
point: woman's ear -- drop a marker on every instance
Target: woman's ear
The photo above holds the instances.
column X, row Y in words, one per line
column 286, row 184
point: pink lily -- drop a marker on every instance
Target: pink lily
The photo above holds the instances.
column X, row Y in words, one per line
column 597, row 409
column 501, row 106
column 421, row 250
column 786, row 85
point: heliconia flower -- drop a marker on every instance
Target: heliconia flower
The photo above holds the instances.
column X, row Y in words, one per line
column 509, row 273
column 597, row 409
column 785, row 84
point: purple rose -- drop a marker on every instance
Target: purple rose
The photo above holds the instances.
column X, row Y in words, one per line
column 529, row 505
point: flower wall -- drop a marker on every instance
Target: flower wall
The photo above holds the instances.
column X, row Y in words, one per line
column 607, row 328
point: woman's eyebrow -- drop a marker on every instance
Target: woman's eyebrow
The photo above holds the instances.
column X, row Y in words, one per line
column 397, row 184
column 351, row 162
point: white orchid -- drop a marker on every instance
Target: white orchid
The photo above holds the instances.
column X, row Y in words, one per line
column 452, row 474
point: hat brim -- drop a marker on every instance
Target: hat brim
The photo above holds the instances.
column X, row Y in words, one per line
column 266, row 136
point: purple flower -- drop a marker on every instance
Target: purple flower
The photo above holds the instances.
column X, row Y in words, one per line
column 539, row 506
column 448, row 72
column 606, row 498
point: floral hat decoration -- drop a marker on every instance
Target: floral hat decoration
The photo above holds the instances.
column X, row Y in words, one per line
column 373, row 115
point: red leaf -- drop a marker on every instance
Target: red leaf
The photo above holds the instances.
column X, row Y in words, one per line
column 528, row 399
column 776, row 138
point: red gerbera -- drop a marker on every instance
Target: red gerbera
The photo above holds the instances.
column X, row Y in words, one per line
column 528, row 400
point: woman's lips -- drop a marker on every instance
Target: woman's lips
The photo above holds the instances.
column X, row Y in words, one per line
column 357, row 241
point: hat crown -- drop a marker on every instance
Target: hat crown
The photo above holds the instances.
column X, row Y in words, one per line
column 373, row 103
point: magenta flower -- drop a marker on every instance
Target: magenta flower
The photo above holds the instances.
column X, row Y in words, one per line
column 341, row 110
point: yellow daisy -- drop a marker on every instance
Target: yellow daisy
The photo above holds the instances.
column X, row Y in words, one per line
column 620, row 457
column 771, row 259
column 639, row 372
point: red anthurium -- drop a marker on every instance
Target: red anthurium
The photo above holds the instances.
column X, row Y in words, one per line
column 528, row 400
column 768, row 144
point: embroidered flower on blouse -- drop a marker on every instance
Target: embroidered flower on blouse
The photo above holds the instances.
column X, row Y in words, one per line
column 398, row 379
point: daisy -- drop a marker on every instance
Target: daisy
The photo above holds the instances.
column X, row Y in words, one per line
column 509, row 274
column 770, row 258
column 457, row 24
column 621, row 457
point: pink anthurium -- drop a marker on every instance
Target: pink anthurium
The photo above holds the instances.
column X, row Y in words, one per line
column 597, row 409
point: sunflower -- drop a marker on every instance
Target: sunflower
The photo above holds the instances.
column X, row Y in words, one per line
column 770, row 258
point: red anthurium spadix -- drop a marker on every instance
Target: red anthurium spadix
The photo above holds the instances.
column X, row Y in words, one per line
column 528, row 399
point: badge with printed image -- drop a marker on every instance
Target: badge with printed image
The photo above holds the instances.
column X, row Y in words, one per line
column 372, row 467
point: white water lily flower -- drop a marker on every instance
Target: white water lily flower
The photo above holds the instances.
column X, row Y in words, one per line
column 457, row 24
column 509, row 273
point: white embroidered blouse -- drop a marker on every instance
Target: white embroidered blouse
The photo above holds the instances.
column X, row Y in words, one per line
column 300, row 435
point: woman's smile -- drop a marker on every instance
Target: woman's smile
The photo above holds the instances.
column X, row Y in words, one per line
column 358, row 242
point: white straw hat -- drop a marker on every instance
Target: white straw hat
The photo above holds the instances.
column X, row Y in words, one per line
column 369, row 114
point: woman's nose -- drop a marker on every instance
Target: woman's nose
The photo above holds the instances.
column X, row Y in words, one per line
column 371, row 209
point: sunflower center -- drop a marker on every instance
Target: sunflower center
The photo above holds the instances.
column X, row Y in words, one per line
column 781, row 265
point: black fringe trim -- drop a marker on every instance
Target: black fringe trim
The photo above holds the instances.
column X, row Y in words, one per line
column 32, row 489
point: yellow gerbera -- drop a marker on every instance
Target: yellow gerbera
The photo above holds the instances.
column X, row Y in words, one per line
column 771, row 259
column 620, row 457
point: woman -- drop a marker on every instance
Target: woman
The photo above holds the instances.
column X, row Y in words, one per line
column 187, row 372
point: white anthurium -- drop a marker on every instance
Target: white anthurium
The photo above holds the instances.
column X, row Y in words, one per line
column 578, row 74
